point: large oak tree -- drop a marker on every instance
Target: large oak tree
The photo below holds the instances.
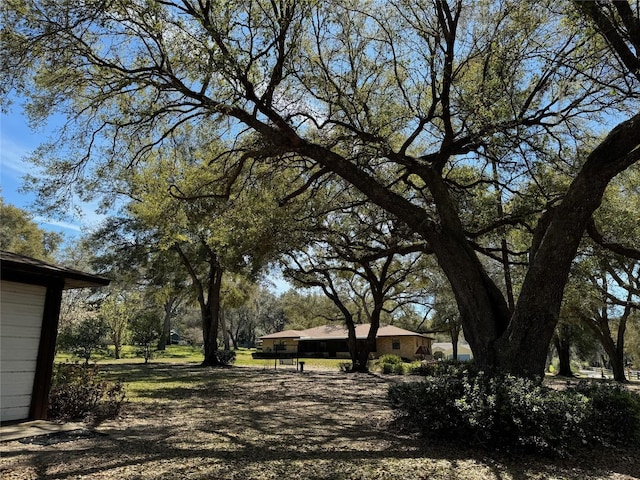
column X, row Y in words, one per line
column 392, row 97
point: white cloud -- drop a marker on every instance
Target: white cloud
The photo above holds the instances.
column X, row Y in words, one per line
column 12, row 156
column 57, row 223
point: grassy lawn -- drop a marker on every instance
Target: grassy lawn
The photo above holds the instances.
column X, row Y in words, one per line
column 173, row 353
column 188, row 354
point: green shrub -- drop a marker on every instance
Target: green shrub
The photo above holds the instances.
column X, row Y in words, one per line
column 399, row 369
column 614, row 417
column 84, row 337
column 390, row 359
column 444, row 367
column 503, row 411
column 430, row 405
column 391, row 364
column 78, row 392
column 413, row 367
column 419, row 368
column 226, row 357
column 387, row 368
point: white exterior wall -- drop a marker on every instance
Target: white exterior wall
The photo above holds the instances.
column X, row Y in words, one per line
column 21, row 310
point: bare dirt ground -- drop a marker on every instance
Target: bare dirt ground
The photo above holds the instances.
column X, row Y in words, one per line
column 246, row 423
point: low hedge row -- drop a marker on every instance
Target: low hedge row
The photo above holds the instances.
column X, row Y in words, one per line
column 513, row 413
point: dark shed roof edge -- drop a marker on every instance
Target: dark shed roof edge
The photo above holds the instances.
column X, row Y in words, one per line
column 15, row 267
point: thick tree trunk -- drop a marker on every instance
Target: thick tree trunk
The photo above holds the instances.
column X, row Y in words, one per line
column 355, row 347
column 165, row 337
column 616, row 358
column 515, row 342
column 211, row 320
column 483, row 309
column 563, row 347
column 361, row 361
column 209, row 350
column 116, row 339
column 359, row 351
column 225, row 331
column 617, row 366
column 522, row 349
column 208, row 301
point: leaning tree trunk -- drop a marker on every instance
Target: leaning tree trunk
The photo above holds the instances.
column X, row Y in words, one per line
column 614, row 349
column 518, row 341
column 616, row 358
column 522, row 349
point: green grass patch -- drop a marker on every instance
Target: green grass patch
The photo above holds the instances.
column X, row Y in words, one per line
column 189, row 354
column 160, row 381
column 244, row 359
column 129, row 354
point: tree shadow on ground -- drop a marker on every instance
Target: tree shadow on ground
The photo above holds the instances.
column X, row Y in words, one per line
column 259, row 424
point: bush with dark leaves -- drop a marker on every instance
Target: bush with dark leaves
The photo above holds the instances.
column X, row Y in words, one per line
column 514, row 413
column 79, row 392
column 226, row 357
column 614, row 417
column 443, row 367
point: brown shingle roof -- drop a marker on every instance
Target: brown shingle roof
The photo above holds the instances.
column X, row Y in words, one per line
column 283, row 334
column 327, row 332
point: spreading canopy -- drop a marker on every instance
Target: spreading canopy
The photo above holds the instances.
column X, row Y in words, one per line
column 393, row 97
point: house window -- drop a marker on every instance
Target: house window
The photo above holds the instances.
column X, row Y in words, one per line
column 395, row 344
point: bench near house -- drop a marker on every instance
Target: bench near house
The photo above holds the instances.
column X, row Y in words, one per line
column 30, row 297
column 330, row 341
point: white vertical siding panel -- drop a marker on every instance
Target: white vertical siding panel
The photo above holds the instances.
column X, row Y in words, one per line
column 21, row 309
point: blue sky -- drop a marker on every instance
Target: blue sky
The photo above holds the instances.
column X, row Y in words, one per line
column 17, row 141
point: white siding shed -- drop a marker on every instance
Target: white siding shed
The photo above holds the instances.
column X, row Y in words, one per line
column 30, row 295
column 22, row 307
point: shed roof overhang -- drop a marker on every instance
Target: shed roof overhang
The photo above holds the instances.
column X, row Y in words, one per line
column 18, row 268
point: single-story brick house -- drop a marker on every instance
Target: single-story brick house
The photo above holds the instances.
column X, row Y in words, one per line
column 30, row 297
column 330, row 341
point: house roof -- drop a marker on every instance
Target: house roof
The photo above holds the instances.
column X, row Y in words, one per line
column 332, row 332
column 284, row 334
column 14, row 267
column 447, row 347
